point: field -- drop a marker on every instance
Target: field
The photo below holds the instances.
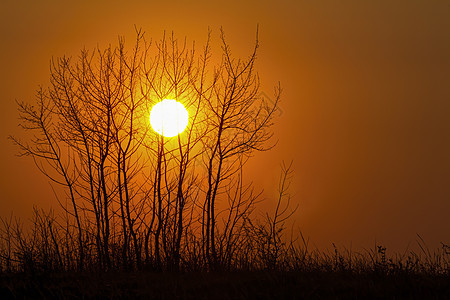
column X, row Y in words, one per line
column 36, row 265
column 227, row 285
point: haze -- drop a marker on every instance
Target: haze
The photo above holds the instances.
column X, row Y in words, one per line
column 364, row 111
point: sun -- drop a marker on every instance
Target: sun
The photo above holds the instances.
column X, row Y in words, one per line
column 169, row 118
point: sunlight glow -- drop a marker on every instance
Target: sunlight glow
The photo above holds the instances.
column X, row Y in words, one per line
column 169, row 118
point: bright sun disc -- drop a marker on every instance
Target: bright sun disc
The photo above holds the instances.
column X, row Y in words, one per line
column 169, row 118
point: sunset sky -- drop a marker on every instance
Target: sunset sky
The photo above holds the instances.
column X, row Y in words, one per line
column 364, row 113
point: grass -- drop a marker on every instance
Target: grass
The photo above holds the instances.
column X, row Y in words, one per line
column 338, row 274
column 39, row 265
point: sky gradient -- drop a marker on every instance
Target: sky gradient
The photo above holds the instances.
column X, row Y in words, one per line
column 364, row 112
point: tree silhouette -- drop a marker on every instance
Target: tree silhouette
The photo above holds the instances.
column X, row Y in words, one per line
column 133, row 197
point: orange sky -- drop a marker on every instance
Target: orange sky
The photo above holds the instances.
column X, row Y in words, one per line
column 365, row 104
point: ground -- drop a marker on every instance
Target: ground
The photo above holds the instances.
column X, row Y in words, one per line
column 238, row 285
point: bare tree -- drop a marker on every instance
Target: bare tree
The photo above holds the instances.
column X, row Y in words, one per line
column 239, row 124
column 132, row 191
column 47, row 153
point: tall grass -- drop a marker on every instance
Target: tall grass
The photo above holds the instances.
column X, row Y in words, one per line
column 50, row 245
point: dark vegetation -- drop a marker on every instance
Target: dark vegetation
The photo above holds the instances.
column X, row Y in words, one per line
column 143, row 215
